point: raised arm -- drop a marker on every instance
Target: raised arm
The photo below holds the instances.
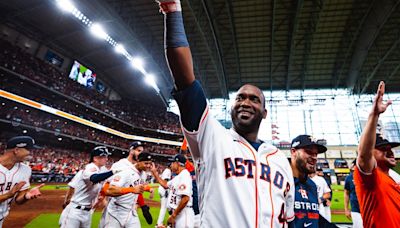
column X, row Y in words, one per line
column 365, row 159
column 177, row 48
column 154, row 172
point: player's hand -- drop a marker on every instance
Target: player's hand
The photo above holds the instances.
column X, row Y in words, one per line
column 379, row 106
column 153, row 168
column 138, row 189
column 171, row 220
column 328, row 203
column 151, row 196
column 348, row 214
column 16, row 188
column 34, row 192
column 65, row 204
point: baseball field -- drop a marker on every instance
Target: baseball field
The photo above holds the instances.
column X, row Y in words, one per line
column 45, row 211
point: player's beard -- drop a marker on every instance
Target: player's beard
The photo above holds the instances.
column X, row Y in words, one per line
column 245, row 126
column 302, row 166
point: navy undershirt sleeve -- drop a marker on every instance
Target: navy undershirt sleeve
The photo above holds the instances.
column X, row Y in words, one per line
column 192, row 103
column 99, row 177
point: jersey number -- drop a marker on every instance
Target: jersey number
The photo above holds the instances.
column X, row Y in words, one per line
column 282, row 217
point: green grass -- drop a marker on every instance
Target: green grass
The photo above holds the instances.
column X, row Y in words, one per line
column 52, row 187
column 51, row 220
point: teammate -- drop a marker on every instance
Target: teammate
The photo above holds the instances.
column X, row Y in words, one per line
column 378, row 194
column 135, row 149
column 86, row 186
column 304, row 150
column 253, row 178
column 124, row 189
column 324, row 194
column 14, row 181
column 350, row 195
column 180, row 199
column 166, row 175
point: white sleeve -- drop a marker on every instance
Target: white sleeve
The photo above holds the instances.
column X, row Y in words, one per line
column 120, row 179
column 74, row 182
column 27, row 177
column 89, row 170
column 290, row 198
column 166, row 174
column 185, row 185
column 325, row 186
column 203, row 141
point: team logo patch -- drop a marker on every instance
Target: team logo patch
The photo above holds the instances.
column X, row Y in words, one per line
column 117, row 178
column 182, row 187
column 303, row 193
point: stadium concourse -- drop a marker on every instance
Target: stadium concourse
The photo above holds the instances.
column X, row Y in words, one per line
column 76, row 75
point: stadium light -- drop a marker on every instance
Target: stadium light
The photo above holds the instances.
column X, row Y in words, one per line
column 24, row 131
column 150, row 80
column 138, row 64
column 66, row 5
column 98, row 31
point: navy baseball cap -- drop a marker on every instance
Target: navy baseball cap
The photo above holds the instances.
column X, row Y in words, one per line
column 26, row 142
column 178, row 158
column 100, row 151
column 135, row 145
column 144, row 156
column 381, row 142
column 307, row 140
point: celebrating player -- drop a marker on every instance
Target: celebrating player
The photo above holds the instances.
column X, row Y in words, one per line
column 253, row 178
column 166, row 175
column 378, row 194
column 14, row 183
column 86, row 186
column 124, row 189
column 180, row 199
column 304, row 150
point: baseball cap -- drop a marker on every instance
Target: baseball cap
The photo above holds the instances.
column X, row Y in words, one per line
column 178, row 158
column 100, row 151
column 144, row 156
column 135, row 145
column 307, row 140
column 26, row 142
column 380, row 142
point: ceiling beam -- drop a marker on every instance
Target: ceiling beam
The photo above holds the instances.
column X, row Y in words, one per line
column 381, row 12
column 214, row 30
column 235, row 43
column 292, row 39
column 271, row 46
column 371, row 75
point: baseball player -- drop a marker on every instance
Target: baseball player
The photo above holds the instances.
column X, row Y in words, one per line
column 124, row 189
column 378, row 194
column 86, row 186
column 252, row 177
column 180, row 199
column 304, row 150
column 166, row 175
column 135, row 149
column 324, row 194
column 351, row 196
column 14, row 181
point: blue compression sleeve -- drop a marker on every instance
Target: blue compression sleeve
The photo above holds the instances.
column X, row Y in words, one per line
column 96, row 178
column 175, row 35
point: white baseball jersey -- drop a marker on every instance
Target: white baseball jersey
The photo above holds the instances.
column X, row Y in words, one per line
column 86, row 192
column 180, row 185
column 8, row 179
column 122, row 207
column 394, row 175
column 322, row 188
column 239, row 186
column 166, row 174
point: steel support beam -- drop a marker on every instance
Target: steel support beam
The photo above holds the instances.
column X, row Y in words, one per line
column 271, row 46
column 292, row 47
column 235, row 43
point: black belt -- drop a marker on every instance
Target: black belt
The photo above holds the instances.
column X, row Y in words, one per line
column 83, row 208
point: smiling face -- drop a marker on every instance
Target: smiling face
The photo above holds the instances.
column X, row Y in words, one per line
column 305, row 158
column 21, row 154
column 248, row 109
column 385, row 157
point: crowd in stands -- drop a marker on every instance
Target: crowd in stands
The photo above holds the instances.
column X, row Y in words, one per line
column 138, row 114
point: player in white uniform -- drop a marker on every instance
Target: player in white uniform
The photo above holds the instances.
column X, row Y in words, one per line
column 180, row 193
column 254, row 179
column 87, row 184
column 166, row 175
column 126, row 163
column 124, row 189
column 324, row 194
column 14, row 181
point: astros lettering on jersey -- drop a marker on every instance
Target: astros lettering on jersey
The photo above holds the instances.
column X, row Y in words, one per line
column 239, row 186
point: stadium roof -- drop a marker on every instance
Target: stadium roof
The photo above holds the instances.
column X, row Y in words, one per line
column 281, row 45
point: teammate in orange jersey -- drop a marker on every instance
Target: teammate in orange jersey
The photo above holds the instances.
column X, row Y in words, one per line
column 378, row 194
